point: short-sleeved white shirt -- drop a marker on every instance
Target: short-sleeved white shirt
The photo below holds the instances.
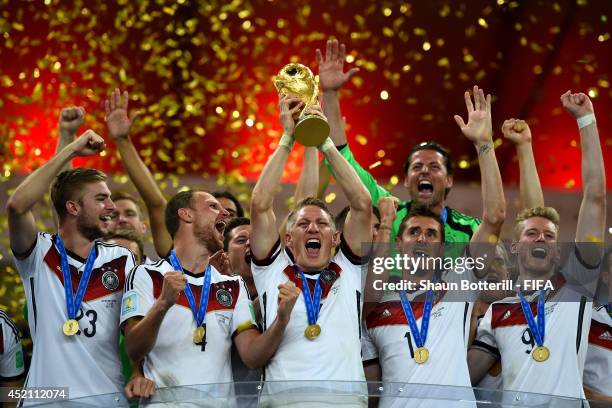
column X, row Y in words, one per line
column 88, row 362
column 175, row 359
column 598, row 366
column 11, row 352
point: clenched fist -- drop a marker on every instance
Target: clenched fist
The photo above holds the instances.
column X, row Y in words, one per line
column 174, row 284
column 88, row 144
column 71, row 119
column 288, row 294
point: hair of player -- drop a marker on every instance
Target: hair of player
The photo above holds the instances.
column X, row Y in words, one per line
column 545, row 212
column 131, row 236
column 182, row 199
column 291, row 218
column 419, row 210
column 69, row 185
column 124, row 195
column 232, row 224
column 230, row 196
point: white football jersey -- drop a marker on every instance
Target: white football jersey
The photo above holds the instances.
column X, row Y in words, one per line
column 11, row 352
column 88, row 362
column 504, row 332
column 335, row 355
column 175, row 359
column 392, row 343
column 598, row 366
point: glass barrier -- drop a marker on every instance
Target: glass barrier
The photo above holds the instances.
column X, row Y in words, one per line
column 302, row 394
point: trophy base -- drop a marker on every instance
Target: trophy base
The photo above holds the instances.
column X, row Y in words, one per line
column 311, row 130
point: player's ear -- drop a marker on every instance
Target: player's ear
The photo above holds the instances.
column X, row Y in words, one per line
column 288, row 241
column 72, row 207
column 185, row 215
column 514, row 247
column 336, row 239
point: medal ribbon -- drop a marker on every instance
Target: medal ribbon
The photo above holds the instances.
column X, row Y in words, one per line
column 74, row 303
column 199, row 314
column 312, row 303
column 538, row 330
column 419, row 337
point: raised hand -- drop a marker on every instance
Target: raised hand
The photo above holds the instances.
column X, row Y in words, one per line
column 479, row 128
column 116, row 118
column 70, row 119
column 88, row 144
column 220, row 261
column 577, row 104
column 331, row 75
column 314, row 110
column 288, row 294
column 517, row 131
column 174, row 283
column 290, row 108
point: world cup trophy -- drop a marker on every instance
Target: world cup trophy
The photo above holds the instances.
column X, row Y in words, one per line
column 298, row 80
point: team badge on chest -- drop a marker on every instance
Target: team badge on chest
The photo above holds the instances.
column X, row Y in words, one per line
column 110, row 280
column 328, row 277
column 224, row 297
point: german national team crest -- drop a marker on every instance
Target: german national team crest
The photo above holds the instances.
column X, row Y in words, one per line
column 224, row 297
column 110, row 280
column 328, row 277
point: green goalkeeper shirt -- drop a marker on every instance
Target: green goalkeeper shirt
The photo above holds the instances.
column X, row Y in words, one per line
column 458, row 227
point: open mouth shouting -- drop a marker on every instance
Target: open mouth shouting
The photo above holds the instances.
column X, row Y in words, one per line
column 425, row 188
column 539, row 252
column 313, row 247
column 220, row 227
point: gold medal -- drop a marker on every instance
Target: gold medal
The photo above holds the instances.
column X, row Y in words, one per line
column 421, row 355
column 540, row 353
column 312, row 331
column 198, row 335
column 71, row 327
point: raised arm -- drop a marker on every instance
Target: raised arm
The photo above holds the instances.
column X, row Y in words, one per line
column 22, row 226
column 479, row 131
column 119, row 125
column 382, row 245
column 308, row 183
column 357, row 229
column 263, row 221
column 592, row 215
column 70, row 119
column 518, row 132
column 331, row 78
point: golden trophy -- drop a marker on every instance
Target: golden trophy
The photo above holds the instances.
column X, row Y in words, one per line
column 298, row 80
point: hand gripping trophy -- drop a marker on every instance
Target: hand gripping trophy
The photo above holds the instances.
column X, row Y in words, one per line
column 298, row 80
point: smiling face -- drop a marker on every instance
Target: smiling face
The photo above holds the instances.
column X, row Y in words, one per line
column 127, row 217
column 93, row 210
column 536, row 245
column 427, row 178
column 311, row 238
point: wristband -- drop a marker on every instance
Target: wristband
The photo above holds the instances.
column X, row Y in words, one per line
column 326, row 145
column 286, row 141
column 585, row 120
